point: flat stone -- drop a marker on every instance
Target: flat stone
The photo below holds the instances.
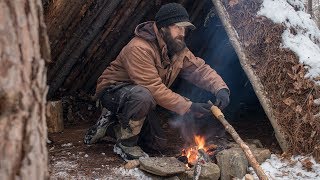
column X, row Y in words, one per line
column 162, row 166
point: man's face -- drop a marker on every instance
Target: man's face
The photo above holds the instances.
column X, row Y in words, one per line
column 174, row 38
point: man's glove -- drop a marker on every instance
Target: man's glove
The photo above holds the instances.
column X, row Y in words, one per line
column 200, row 109
column 222, row 98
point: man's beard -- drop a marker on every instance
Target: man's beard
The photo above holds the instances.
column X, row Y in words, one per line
column 174, row 45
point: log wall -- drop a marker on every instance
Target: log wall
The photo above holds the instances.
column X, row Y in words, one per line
column 86, row 35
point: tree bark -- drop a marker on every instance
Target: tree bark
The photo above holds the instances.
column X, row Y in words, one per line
column 23, row 133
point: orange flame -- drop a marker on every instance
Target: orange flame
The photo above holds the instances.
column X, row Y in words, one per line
column 192, row 152
column 200, row 142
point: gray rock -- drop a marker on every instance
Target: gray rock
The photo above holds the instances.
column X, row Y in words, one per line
column 255, row 142
column 209, row 171
column 233, row 162
column 235, row 145
column 162, row 166
column 187, row 175
column 261, row 154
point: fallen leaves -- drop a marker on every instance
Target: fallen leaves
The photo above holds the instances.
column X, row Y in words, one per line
column 298, row 109
column 307, row 164
column 288, row 101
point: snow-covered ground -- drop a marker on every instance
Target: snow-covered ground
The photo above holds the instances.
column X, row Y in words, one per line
column 305, row 41
column 298, row 168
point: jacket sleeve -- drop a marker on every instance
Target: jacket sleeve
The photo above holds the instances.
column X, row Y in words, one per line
column 196, row 71
column 142, row 71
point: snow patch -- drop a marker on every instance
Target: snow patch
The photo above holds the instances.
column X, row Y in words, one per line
column 62, row 164
column 66, row 145
column 278, row 168
column 305, row 40
column 61, row 175
column 317, row 101
column 135, row 173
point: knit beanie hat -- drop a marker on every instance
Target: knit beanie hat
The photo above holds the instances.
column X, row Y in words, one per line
column 173, row 13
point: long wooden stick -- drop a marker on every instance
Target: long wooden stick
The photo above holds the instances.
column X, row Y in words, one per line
column 254, row 79
column 252, row 160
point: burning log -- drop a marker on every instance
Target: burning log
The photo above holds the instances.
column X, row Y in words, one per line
column 183, row 159
column 203, row 158
column 252, row 160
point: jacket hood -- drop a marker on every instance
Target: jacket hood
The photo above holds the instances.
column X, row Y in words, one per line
column 145, row 30
column 149, row 31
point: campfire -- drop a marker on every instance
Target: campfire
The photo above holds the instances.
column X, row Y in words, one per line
column 190, row 155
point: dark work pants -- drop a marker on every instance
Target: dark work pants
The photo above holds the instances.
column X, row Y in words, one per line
column 130, row 103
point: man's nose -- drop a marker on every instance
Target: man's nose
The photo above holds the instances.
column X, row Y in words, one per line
column 182, row 31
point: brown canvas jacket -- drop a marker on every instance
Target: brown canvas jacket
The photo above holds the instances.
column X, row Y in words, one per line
column 144, row 61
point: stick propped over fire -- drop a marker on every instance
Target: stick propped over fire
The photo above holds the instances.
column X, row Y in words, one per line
column 252, row 160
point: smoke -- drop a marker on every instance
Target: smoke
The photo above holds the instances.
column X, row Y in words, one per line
column 189, row 126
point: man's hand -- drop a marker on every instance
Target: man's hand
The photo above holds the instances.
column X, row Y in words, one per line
column 222, row 98
column 200, row 109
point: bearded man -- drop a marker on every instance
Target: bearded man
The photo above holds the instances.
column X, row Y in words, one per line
column 140, row 77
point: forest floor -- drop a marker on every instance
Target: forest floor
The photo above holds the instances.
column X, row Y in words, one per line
column 70, row 158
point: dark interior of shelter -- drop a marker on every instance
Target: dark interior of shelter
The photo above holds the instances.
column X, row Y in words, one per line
column 78, row 62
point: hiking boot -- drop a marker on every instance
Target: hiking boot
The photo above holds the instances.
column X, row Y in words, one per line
column 129, row 153
column 103, row 127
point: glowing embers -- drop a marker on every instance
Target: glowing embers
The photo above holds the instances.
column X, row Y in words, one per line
column 190, row 155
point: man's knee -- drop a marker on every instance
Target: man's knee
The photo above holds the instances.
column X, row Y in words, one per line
column 144, row 96
column 140, row 102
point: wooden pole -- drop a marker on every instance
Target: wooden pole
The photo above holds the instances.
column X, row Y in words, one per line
column 252, row 160
column 255, row 81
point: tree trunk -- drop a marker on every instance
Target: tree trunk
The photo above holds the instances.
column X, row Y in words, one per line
column 54, row 116
column 23, row 51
